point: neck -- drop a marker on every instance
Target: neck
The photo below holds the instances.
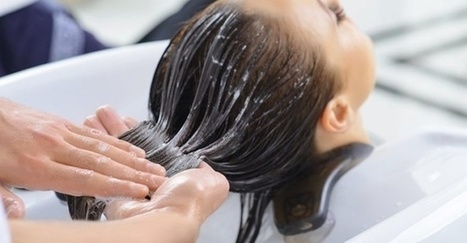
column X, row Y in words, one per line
column 326, row 140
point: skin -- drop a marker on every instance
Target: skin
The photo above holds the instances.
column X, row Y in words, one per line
column 349, row 55
column 183, row 203
column 44, row 152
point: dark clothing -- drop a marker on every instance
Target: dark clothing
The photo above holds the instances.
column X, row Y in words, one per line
column 40, row 33
column 44, row 32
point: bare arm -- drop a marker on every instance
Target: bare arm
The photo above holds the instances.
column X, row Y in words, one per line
column 157, row 226
column 175, row 213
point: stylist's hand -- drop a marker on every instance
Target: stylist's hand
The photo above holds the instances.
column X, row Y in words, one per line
column 194, row 193
column 42, row 151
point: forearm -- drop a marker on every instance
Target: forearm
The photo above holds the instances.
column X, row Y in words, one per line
column 151, row 227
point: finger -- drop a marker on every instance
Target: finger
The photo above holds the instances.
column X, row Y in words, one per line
column 14, row 206
column 130, row 122
column 93, row 122
column 83, row 182
column 107, row 166
column 112, row 122
column 99, row 135
column 101, row 148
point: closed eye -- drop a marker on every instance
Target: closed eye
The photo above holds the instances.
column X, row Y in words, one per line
column 338, row 11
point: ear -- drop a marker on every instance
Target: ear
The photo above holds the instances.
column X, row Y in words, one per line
column 338, row 116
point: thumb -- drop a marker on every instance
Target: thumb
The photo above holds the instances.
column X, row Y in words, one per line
column 125, row 208
column 194, row 192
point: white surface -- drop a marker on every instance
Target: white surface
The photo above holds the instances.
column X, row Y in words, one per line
column 4, row 231
column 74, row 88
column 413, row 187
column 122, row 22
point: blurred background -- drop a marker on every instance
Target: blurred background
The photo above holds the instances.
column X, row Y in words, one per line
column 420, row 47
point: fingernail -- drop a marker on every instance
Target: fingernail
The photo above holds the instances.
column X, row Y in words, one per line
column 138, row 151
column 155, row 169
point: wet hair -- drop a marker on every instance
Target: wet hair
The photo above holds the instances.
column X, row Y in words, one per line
column 236, row 90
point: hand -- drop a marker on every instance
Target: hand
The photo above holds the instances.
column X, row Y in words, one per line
column 42, row 151
column 174, row 214
column 194, row 193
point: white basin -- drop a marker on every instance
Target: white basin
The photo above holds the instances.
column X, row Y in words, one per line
column 411, row 189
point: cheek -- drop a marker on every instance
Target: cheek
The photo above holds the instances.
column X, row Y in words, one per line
column 367, row 50
column 367, row 63
column 359, row 64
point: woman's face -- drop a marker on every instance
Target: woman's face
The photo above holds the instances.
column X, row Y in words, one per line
column 323, row 22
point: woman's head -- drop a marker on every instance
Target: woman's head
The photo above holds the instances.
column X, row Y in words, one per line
column 324, row 23
column 259, row 88
column 347, row 52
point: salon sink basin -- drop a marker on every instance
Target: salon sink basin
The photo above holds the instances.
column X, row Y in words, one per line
column 43, row 205
column 409, row 190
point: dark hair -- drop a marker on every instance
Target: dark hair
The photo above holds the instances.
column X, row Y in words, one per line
column 240, row 92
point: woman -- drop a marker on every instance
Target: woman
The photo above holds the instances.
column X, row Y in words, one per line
column 264, row 91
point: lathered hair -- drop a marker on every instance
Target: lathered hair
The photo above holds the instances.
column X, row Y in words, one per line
column 240, row 92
